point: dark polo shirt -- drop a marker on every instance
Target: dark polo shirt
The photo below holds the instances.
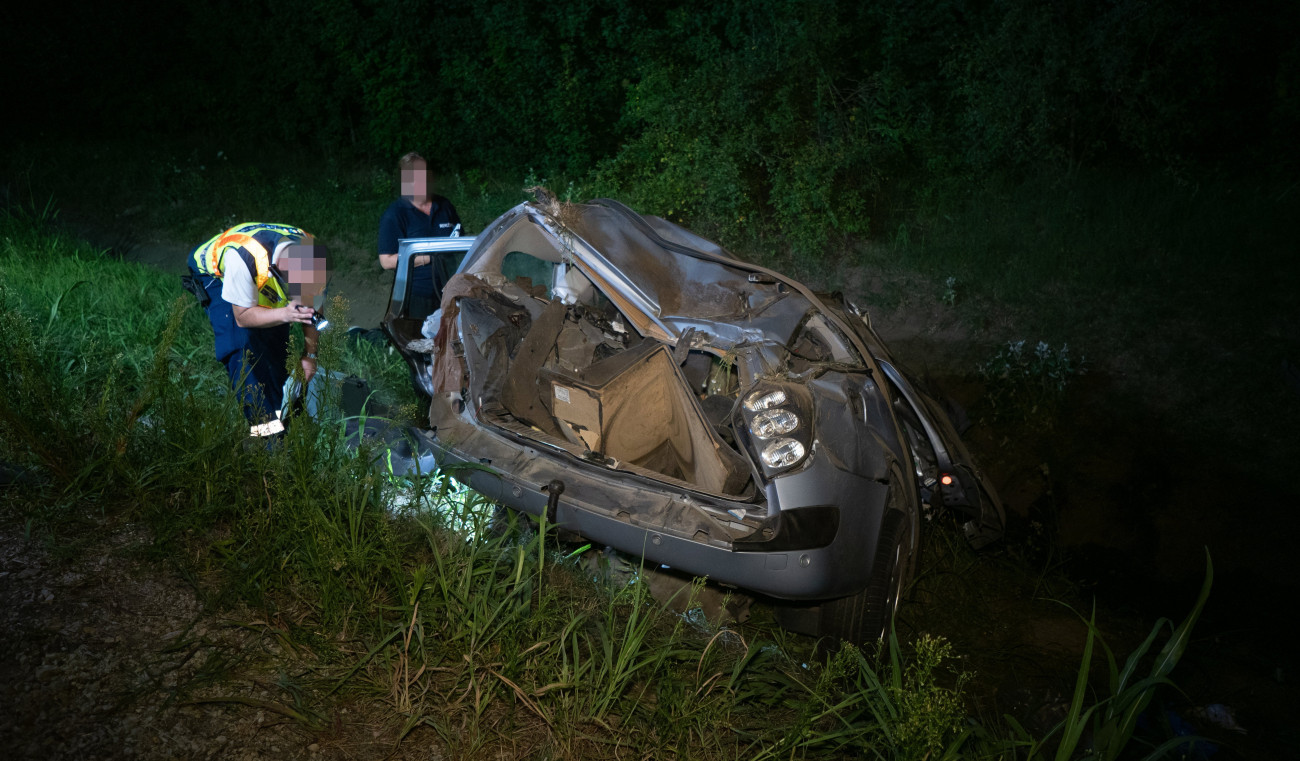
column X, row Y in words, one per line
column 402, row 220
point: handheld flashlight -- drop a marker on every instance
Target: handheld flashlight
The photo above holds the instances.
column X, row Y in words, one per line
column 318, row 320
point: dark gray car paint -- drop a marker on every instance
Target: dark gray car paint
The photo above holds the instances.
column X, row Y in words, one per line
column 847, row 469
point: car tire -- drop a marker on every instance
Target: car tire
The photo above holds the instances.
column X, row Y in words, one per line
column 868, row 615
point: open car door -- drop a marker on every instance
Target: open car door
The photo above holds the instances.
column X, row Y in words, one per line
column 407, row 311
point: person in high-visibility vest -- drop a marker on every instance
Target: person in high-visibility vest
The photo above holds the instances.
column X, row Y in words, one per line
column 259, row 280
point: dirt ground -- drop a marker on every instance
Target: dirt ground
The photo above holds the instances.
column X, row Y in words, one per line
column 108, row 657
column 94, row 648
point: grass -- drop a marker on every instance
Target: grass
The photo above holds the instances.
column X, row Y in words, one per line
column 1179, row 293
column 189, row 191
column 399, row 593
column 1172, row 292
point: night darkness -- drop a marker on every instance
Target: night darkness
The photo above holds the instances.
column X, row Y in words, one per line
column 811, row 132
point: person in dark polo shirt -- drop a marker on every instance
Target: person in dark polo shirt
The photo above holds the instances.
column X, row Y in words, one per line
column 419, row 213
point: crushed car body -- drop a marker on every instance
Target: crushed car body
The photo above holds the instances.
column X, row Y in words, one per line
column 646, row 389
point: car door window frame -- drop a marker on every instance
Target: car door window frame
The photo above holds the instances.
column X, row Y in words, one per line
column 407, row 250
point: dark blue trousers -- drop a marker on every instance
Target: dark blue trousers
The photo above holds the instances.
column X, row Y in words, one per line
column 255, row 358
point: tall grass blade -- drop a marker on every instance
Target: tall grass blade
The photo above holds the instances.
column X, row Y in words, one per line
column 1076, row 720
column 1122, row 718
column 54, row 308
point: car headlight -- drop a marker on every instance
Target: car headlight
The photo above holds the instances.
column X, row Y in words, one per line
column 779, row 425
column 770, row 423
column 781, row 453
column 764, row 400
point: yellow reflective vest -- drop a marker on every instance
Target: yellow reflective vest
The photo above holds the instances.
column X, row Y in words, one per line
column 255, row 242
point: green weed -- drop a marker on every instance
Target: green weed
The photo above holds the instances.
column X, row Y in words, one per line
column 1029, row 384
column 1106, row 728
column 949, row 296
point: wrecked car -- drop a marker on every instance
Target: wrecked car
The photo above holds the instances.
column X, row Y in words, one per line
column 646, row 389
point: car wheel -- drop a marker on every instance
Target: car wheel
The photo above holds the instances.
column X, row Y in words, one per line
column 868, row 615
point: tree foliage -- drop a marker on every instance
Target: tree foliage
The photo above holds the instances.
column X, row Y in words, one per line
column 789, row 116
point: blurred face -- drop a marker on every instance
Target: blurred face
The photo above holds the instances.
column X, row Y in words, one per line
column 415, row 181
column 306, row 270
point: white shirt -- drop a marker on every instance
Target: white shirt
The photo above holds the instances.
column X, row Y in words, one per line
column 237, row 285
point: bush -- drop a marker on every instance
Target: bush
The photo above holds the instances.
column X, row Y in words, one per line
column 1028, row 384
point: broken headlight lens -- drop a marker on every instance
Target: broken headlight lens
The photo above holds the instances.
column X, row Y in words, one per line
column 781, row 453
column 774, row 422
column 763, row 400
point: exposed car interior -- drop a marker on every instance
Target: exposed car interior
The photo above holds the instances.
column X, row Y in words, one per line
column 551, row 357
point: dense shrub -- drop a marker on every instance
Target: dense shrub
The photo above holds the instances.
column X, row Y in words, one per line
column 807, row 119
column 761, row 114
